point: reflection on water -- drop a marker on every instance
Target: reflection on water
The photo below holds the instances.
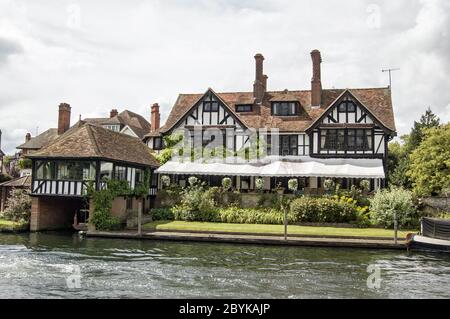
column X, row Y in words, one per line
column 35, row 266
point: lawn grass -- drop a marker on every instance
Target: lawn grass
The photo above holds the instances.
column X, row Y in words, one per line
column 271, row 229
column 7, row 225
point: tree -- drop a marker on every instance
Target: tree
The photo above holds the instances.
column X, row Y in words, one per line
column 170, row 141
column 427, row 120
column 399, row 152
column 430, row 163
column 19, row 206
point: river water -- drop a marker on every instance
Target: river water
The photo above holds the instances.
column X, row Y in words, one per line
column 61, row 265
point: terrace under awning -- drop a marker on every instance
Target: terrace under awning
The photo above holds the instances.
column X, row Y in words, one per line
column 300, row 167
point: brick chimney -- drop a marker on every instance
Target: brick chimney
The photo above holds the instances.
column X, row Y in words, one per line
column 27, row 137
column 155, row 117
column 63, row 118
column 113, row 113
column 259, row 87
column 316, row 82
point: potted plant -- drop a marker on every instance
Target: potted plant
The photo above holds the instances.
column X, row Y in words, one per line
column 293, row 185
column 259, row 184
column 226, row 183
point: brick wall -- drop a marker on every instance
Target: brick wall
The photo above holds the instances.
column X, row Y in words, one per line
column 52, row 213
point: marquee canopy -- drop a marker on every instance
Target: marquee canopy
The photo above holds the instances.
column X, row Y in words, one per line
column 304, row 167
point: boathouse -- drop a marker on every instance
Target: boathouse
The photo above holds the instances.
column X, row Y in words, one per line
column 85, row 155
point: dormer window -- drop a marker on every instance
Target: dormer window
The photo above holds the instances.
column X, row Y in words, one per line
column 115, row 128
column 244, row 108
column 285, row 108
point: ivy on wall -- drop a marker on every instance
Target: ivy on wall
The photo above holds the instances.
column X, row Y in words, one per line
column 102, row 200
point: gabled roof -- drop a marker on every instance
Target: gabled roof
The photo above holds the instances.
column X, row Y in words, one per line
column 136, row 122
column 40, row 140
column 93, row 141
column 376, row 100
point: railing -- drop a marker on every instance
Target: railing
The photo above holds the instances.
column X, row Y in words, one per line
column 60, row 187
column 70, row 187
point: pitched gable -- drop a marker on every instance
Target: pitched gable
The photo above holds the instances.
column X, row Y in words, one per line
column 348, row 109
column 208, row 110
column 377, row 101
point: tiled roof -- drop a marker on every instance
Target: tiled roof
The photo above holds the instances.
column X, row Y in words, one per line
column 376, row 100
column 93, row 141
column 136, row 122
column 40, row 140
column 24, row 181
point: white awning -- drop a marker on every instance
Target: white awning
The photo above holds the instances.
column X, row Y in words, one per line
column 300, row 167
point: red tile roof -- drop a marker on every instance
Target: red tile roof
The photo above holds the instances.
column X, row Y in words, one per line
column 376, row 100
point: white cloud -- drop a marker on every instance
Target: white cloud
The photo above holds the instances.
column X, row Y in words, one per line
column 104, row 54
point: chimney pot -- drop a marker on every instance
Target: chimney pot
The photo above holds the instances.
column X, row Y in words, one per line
column 63, row 118
column 155, row 117
column 316, row 81
column 27, row 137
column 113, row 113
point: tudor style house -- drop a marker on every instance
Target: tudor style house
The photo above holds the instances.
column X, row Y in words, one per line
column 86, row 154
column 310, row 135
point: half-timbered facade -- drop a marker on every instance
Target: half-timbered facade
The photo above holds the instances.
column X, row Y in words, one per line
column 346, row 129
column 85, row 156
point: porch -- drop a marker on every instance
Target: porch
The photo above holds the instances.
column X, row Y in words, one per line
column 310, row 173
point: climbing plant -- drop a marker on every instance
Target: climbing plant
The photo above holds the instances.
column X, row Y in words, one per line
column 102, row 200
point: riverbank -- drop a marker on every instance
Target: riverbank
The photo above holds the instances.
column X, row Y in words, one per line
column 274, row 230
column 372, row 243
column 7, row 226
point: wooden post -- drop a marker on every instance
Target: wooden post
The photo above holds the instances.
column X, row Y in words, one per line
column 285, row 222
column 395, row 227
column 140, row 217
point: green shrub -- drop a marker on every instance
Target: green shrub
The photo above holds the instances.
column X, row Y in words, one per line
column 197, row 202
column 238, row 215
column 386, row 202
column 304, row 209
column 323, row 210
column 162, row 214
column 182, row 213
column 19, row 206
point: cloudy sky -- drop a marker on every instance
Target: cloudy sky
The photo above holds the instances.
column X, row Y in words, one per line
column 98, row 55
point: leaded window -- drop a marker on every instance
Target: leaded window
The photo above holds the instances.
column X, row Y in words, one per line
column 346, row 139
column 210, row 106
column 285, row 108
column 288, row 145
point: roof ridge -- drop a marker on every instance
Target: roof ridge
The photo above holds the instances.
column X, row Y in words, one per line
column 300, row 90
